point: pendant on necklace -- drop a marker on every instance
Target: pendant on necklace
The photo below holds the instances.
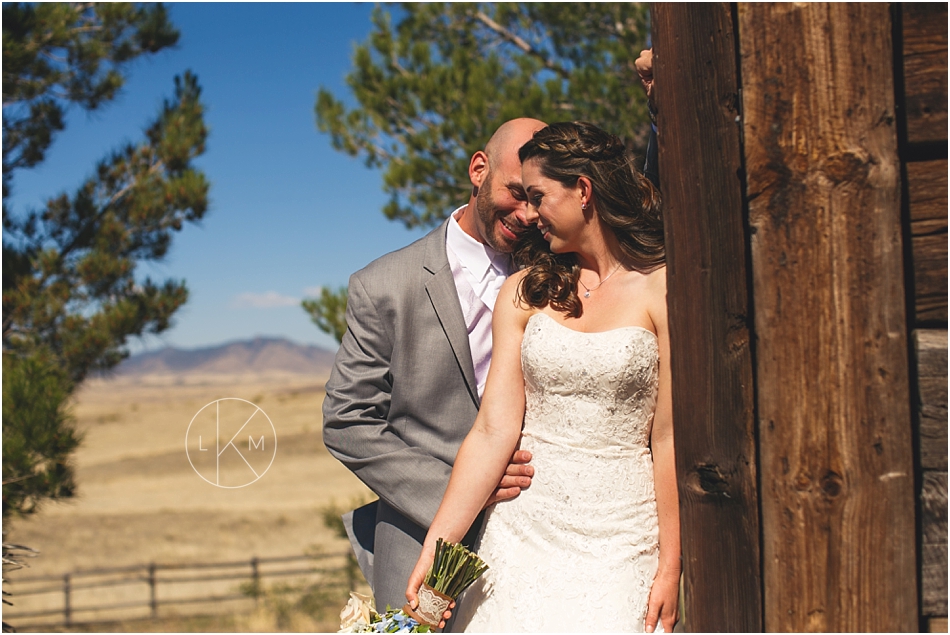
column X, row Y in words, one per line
column 587, row 295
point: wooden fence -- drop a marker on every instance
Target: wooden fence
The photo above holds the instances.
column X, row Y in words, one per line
column 140, row 591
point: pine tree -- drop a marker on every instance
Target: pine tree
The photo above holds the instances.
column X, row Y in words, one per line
column 328, row 311
column 434, row 80
column 71, row 297
column 38, row 434
column 433, row 87
column 60, row 53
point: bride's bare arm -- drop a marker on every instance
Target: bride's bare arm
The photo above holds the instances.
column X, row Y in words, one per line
column 486, row 451
column 664, row 594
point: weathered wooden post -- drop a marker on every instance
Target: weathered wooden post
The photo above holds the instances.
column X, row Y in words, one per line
column 152, row 590
column 781, row 175
column 921, row 71
column 700, row 160
column 67, row 600
column 256, row 579
column 823, row 184
column 931, row 354
column 352, row 566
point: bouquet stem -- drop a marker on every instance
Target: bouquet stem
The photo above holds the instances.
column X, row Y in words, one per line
column 454, row 569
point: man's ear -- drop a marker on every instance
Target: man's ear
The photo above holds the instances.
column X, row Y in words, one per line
column 478, row 168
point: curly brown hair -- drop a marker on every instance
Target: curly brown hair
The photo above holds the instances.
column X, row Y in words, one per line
column 623, row 198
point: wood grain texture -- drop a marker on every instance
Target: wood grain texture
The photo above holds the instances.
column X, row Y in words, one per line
column 836, row 463
column 933, row 504
column 713, row 399
column 927, row 187
column 931, row 354
column 927, row 193
column 925, row 70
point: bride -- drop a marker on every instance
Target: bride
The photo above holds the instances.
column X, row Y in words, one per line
column 581, row 357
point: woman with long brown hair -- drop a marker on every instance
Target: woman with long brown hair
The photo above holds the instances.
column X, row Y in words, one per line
column 581, row 359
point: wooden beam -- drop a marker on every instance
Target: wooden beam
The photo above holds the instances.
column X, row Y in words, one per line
column 925, row 70
column 836, row 463
column 931, row 354
column 927, row 190
column 713, row 398
column 933, row 503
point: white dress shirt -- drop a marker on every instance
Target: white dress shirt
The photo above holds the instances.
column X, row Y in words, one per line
column 478, row 271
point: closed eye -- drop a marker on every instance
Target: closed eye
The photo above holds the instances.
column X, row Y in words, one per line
column 517, row 192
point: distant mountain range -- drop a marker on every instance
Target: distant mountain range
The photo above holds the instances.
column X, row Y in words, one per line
column 259, row 355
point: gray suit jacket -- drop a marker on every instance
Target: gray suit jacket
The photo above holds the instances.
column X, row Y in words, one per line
column 400, row 400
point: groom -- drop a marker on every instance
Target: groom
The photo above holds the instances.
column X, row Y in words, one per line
column 408, row 378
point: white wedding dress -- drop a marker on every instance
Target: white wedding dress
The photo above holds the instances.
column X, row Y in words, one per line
column 578, row 550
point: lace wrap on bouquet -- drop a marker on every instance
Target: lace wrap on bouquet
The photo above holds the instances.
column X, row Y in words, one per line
column 579, row 547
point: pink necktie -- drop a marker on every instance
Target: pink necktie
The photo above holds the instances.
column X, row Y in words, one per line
column 477, row 317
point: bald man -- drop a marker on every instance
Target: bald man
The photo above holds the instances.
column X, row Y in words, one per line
column 408, row 378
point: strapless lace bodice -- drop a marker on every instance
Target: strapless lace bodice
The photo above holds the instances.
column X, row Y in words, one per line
column 584, row 535
column 573, row 379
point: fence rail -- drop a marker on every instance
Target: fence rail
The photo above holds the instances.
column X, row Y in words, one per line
column 155, row 590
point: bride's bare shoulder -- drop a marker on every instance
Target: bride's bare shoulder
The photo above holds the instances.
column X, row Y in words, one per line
column 509, row 298
column 511, row 286
column 656, row 294
column 517, row 276
column 656, row 280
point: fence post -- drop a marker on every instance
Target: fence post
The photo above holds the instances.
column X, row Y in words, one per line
column 351, row 565
column 67, row 609
column 153, row 594
column 256, row 580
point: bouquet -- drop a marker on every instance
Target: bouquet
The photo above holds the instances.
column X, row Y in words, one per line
column 453, row 570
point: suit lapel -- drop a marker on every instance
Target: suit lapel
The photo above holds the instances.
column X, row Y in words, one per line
column 445, row 301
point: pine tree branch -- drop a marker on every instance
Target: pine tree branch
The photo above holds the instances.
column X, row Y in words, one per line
column 394, row 62
column 92, row 222
column 54, row 58
column 79, row 234
column 522, row 44
column 115, row 198
column 18, row 479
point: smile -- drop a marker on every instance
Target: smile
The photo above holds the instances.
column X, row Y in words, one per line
column 517, row 231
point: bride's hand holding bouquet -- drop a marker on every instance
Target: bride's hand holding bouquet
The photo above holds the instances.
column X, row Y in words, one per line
column 443, row 572
column 452, row 568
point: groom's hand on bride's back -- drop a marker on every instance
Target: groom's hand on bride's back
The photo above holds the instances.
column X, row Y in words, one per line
column 517, row 477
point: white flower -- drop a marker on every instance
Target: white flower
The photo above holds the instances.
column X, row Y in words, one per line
column 357, row 613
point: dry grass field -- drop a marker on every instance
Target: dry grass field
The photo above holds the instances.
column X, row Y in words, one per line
column 141, row 501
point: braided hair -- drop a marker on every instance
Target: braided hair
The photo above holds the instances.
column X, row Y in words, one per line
column 623, row 198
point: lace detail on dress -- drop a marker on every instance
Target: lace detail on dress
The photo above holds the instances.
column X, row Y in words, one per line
column 580, row 546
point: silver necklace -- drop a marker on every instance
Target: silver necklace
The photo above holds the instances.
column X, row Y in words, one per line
column 602, row 281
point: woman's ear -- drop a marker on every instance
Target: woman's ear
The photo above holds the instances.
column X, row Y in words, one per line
column 585, row 191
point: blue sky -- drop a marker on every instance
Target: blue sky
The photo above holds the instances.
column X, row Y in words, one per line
column 288, row 213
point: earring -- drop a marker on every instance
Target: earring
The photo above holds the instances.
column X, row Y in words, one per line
column 583, row 205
